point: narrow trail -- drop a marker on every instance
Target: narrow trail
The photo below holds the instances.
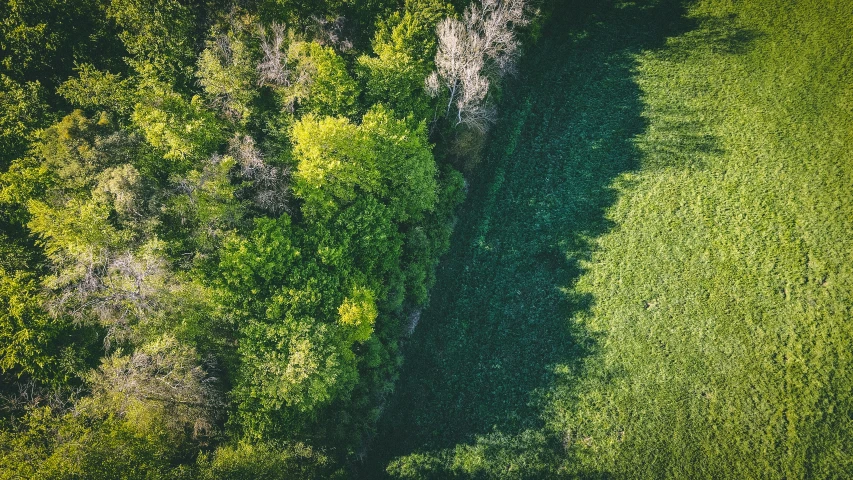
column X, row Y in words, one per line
column 498, row 322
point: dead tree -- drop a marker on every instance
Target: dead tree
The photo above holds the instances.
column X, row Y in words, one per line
column 273, row 69
column 165, row 374
column 114, row 289
column 270, row 184
column 472, row 52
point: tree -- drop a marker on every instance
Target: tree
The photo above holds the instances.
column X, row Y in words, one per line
column 322, row 85
column 227, row 71
column 293, row 358
column 265, row 461
column 273, row 68
column 296, row 11
column 383, row 157
column 473, row 51
column 405, row 163
column 22, row 109
column 94, row 88
column 412, row 31
column 42, row 41
column 393, row 78
column 88, row 439
column 158, row 34
column 335, row 163
column 184, row 130
column 28, row 335
column 200, row 207
column 163, row 375
column 269, row 187
column 403, row 48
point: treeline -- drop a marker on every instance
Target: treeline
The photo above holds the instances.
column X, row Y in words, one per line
column 217, row 219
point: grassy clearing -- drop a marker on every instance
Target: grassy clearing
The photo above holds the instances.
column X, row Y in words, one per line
column 655, row 276
column 723, row 300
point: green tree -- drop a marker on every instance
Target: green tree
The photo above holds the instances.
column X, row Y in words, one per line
column 383, row 157
column 30, row 339
column 297, row 11
column 96, row 440
column 404, row 46
column 41, row 41
column 158, row 33
column 96, row 89
column 292, row 359
column 184, row 130
column 201, row 207
column 22, row 109
column 227, row 70
column 321, row 84
column 266, row 461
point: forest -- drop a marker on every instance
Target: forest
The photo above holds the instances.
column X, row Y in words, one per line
column 426, row 239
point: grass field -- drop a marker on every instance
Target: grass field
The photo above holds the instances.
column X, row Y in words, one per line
column 653, row 274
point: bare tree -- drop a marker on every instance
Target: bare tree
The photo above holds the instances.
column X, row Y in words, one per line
column 495, row 21
column 273, row 68
column 270, row 184
column 459, row 63
column 481, row 46
column 31, row 394
column 115, row 289
column 330, row 32
column 280, row 66
column 165, row 374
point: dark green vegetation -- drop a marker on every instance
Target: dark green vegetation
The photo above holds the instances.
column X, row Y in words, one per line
column 216, row 218
column 220, row 221
column 653, row 274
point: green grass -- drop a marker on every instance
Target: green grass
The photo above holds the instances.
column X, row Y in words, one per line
column 653, row 275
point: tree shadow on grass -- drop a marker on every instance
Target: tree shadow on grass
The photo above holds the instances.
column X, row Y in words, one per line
column 495, row 335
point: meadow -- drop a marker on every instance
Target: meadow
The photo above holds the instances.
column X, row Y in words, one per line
column 652, row 276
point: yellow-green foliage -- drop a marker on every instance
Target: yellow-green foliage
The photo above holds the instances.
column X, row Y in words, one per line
column 226, row 71
column 358, row 312
column 95, row 88
column 322, row 86
column 88, row 442
column 335, row 158
column 26, row 331
column 265, row 461
column 383, row 157
column 404, row 48
column 183, row 129
column 157, row 34
column 21, row 107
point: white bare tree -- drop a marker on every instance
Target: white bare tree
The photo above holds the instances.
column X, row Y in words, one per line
column 32, row 394
column 115, row 289
column 330, row 31
column 495, row 21
column 273, row 68
column 471, row 53
column 281, row 66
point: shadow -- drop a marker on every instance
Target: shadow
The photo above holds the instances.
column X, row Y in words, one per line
column 682, row 134
column 500, row 328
